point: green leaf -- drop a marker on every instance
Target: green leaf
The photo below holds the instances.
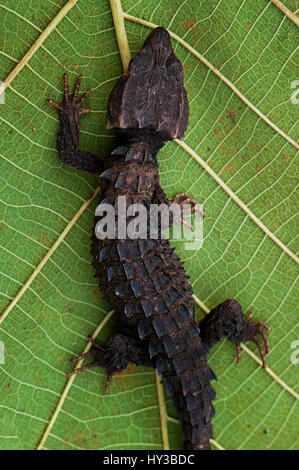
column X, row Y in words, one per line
column 238, row 160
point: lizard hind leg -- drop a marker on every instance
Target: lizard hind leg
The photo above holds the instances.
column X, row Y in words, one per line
column 115, row 357
column 228, row 319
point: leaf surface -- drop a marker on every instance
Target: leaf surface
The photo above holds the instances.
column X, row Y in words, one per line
column 51, row 304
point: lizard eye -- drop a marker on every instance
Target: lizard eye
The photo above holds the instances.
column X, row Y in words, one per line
column 142, row 63
column 174, row 68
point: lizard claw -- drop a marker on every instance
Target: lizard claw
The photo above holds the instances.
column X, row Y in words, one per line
column 100, row 351
column 252, row 330
column 99, row 354
column 183, row 198
column 71, row 104
column 54, row 103
column 108, row 380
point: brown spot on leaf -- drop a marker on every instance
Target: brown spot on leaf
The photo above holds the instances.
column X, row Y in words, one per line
column 232, row 115
column 260, row 168
column 217, row 132
column 79, row 437
column 190, row 23
column 97, row 293
column 43, row 238
column 123, row 374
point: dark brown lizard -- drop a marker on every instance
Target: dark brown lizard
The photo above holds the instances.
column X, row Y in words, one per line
column 144, row 279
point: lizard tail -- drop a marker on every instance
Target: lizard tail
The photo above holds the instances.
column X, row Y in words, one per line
column 195, row 409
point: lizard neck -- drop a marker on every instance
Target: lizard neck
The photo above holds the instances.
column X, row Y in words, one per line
column 139, row 145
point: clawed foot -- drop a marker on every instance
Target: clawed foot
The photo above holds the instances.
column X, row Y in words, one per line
column 71, row 104
column 99, row 353
column 183, row 198
column 254, row 329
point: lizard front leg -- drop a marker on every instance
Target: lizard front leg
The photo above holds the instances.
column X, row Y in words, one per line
column 120, row 351
column 228, row 319
column 68, row 137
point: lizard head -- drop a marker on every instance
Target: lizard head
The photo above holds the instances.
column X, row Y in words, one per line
column 151, row 95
